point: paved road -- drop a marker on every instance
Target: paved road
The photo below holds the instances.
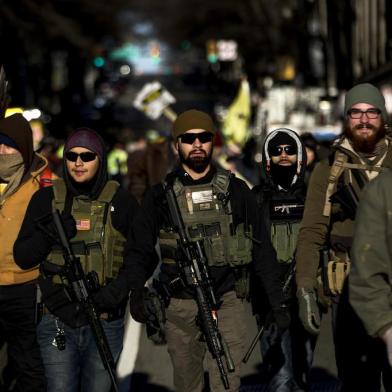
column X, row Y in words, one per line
column 145, row 367
column 151, row 368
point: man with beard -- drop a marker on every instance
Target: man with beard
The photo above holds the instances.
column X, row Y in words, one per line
column 220, row 210
column 21, row 174
column 281, row 198
column 335, row 186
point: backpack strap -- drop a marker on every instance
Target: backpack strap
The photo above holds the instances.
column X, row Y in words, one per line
column 336, row 171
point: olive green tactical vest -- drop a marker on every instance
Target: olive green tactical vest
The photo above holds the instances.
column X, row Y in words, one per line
column 206, row 217
column 284, row 239
column 98, row 244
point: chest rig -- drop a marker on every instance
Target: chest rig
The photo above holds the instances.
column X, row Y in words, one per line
column 206, row 212
column 285, row 217
column 97, row 243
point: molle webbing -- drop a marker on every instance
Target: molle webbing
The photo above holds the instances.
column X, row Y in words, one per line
column 103, row 244
column 206, row 212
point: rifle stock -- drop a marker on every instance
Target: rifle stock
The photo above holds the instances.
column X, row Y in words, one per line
column 194, row 270
column 77, row 279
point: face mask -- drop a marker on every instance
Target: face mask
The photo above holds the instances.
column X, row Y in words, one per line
column 9, row 165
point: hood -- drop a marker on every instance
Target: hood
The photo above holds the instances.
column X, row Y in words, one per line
column 299, row 170
column 93, row 188
column 17, row 128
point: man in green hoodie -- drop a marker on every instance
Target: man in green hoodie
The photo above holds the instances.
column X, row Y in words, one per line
column 335, row 186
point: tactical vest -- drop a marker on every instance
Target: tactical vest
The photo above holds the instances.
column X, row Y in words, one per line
column 207, row 216
column 98, row 244
column 285, row 217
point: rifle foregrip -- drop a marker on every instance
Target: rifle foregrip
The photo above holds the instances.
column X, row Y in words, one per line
column 229, row 360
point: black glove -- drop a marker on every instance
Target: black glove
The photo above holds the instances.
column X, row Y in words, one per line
column 49, row 228
column 282, row 317
column 137, row 306
column 69, row 225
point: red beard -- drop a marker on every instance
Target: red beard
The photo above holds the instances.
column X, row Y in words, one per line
column 365, row 143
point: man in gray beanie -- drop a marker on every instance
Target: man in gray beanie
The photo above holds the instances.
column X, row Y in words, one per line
column 357, row 157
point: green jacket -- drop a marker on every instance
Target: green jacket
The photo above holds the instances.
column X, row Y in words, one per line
column 370, row 283
column 317, row 229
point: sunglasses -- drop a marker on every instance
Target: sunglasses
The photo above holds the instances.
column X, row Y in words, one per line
column 189, row 138
column 289, row 150
column 84, row 156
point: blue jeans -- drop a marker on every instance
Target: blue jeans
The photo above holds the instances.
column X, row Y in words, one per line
column 79, row 367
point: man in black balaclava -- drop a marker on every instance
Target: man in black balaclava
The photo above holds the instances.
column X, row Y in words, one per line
column 281, row 201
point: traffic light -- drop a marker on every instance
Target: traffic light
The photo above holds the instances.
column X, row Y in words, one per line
column 212, row 51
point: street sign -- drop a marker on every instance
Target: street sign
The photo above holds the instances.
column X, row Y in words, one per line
column 153, row 100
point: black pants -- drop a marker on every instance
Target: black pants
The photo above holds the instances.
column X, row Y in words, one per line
column 361, row 360
column 18, row 330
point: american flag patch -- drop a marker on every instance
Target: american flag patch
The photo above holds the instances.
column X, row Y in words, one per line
column 83, row 224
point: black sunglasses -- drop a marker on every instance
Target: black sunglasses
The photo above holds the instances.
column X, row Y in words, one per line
column 189, row 138
column 289, row 150
column 84, row 156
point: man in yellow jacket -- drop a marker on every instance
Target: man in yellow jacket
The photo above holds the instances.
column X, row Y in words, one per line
column 21, row 175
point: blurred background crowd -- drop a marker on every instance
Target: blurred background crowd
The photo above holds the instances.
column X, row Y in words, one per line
column 253, row 66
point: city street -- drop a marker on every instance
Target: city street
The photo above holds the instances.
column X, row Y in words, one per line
column 152, row 371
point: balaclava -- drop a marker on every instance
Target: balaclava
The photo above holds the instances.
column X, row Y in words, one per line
column 87, row 138
column 15, row 132
column 285, row 176
column 18, row 129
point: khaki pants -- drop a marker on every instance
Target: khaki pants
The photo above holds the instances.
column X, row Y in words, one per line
column 187, row 352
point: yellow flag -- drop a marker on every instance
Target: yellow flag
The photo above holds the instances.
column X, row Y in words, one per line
column 236, row 123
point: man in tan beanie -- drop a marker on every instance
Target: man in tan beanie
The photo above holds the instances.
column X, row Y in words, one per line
column 220, row 211
column 358, row 156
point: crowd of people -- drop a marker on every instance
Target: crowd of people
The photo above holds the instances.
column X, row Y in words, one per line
column 186, row 244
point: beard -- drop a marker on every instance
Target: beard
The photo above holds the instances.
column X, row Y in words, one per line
column 365, row 143
column 197, row 163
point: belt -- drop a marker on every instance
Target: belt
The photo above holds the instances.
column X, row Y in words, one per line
column 103, row 316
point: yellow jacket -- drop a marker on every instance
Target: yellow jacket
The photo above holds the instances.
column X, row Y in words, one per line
column 11, row 217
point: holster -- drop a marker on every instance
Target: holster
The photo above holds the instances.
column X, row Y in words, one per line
column 335, row 269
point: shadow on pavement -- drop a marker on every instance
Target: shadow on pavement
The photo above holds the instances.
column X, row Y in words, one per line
column 320, row 381
column 140, row 383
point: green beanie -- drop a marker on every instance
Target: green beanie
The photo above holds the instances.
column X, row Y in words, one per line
column 366, row 93
column 192, row 119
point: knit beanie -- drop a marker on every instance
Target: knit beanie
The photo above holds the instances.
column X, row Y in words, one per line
column 366, row 93
column 192, row 119
column 87, row 138
column 281, row 138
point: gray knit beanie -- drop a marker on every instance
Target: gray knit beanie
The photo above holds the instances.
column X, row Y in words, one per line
column 366, row 93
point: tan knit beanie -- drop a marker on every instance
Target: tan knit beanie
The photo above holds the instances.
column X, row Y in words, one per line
column 192, row 119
